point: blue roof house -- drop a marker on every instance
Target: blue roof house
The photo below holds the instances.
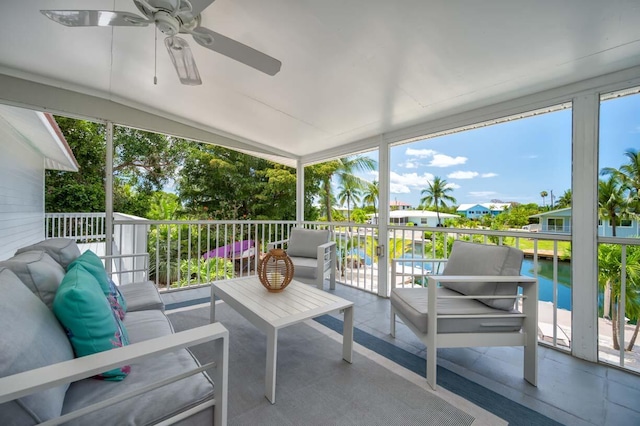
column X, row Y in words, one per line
column 476, row 211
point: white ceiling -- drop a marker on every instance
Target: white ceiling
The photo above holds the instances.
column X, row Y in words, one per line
column 351, row 70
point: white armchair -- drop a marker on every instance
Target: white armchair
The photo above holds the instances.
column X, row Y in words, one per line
column 312, row 254
column 473, row 303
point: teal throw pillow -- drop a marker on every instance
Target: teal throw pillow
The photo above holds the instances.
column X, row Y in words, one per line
column 91, row 324
column 92, row 263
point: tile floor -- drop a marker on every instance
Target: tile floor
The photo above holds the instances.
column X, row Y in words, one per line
column 570, row 390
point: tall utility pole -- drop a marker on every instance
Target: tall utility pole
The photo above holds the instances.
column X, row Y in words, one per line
column 551, row 197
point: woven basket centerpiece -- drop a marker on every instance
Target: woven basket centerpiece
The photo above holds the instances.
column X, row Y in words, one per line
column 275, row 270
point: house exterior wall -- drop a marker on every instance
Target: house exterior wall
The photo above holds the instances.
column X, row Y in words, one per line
column 475, row 212
column 21, row 194
column 605, row 229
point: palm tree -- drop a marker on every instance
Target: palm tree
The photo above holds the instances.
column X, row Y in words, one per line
column 371, row 193
column 344, row 169
column 629, row 176
column 350, row 191
column 544, row 195
column 611, row 201
column 565, row 199
column 437, row 195
column 609, row 273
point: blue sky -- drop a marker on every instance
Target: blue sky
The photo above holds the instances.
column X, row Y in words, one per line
column 512, row 161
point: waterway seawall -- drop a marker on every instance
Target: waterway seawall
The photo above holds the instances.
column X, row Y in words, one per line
column 546, row 254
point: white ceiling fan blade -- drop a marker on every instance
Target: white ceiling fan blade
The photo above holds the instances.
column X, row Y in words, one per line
column 236, row 50
column 198, row 6
column 183, row 61
column 95, row 18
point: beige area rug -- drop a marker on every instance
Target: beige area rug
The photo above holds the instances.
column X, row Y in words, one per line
column 316, row 387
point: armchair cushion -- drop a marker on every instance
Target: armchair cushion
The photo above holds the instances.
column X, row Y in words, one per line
column 62, row 250
column 305, row 267
column 412, row 303
column 481, row 259
column 31, row 338
column 38, row 271
column 305, row 242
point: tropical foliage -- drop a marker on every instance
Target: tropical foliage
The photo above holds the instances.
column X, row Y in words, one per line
column 437, row 195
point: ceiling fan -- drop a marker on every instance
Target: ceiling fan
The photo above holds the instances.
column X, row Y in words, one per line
column 172, row 17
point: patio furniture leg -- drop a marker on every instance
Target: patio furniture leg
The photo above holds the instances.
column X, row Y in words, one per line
column 213, row 305
column 392, row 323
column 272, row 355
column 347, row 335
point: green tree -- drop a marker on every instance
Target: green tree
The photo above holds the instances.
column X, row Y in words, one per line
column 629, row 176
column 370, row 196
column 164, row 206
column 437, row 195
column 544, row 195
column 349, row 192
column 609, row 278
column 565, row 200
column 343, row 169
column 612, row 203
column 82, row 191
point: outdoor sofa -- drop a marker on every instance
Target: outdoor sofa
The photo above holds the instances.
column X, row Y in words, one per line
column 41, row 379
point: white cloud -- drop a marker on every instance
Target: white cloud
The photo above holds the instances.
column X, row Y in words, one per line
column 420, row 153
column 453, row 186
column 531, row 157
column 398, row 188
column 488, row 175
column 442, row 160
column 482, row 194
column 409, row 165
column 411, row 180
column 462, row 175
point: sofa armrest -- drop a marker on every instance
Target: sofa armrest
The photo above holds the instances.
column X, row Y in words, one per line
column 32, row 381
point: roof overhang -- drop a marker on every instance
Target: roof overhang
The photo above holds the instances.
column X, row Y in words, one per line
column 39, row 131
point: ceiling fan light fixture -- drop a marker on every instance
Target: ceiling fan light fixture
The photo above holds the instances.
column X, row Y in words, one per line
column 183, row 61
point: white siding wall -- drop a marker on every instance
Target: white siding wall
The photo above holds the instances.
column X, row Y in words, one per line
column 21, row 194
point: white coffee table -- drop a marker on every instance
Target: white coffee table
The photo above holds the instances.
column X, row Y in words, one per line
column 270, row 312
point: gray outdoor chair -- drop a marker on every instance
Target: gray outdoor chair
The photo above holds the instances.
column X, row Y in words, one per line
column 312, row 254
column 477, row 304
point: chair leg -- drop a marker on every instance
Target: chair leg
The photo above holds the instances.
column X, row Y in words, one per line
column 392, row 324
column 432, row 365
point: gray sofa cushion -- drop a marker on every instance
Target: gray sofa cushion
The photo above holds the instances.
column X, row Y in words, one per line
column 412, row 303
column 62, row 250
column 31, row 338
column 38, row 271
column 482, row 259
column 150, row 407
column 305, row 242
column 141, row 296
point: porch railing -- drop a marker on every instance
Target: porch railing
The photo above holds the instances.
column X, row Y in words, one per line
column 177, row 259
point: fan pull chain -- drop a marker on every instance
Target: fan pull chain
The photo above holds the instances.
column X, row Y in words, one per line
column 155, row 58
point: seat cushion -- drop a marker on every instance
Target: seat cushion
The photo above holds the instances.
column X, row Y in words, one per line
column 141, row 296
column 482, row 259
column 155, row 405
column 31, row 338
column 92, row 264
column 87, row 316
column 412, row 304
column 305, row 242
column 38, row 271
column 305, row 267
column 62, row 250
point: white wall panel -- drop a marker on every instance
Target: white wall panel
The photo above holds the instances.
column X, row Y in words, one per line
column 21, row 193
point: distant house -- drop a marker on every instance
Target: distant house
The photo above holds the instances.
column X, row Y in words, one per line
column 476, row 211
column 417, row 217
column 559, row 221
column 399, row 205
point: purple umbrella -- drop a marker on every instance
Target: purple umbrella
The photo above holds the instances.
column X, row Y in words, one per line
column 230, row 250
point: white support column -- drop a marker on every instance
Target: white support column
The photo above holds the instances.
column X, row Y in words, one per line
column 109, row 193
column 384, row 175
column 299, row 192
column 584, row 242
